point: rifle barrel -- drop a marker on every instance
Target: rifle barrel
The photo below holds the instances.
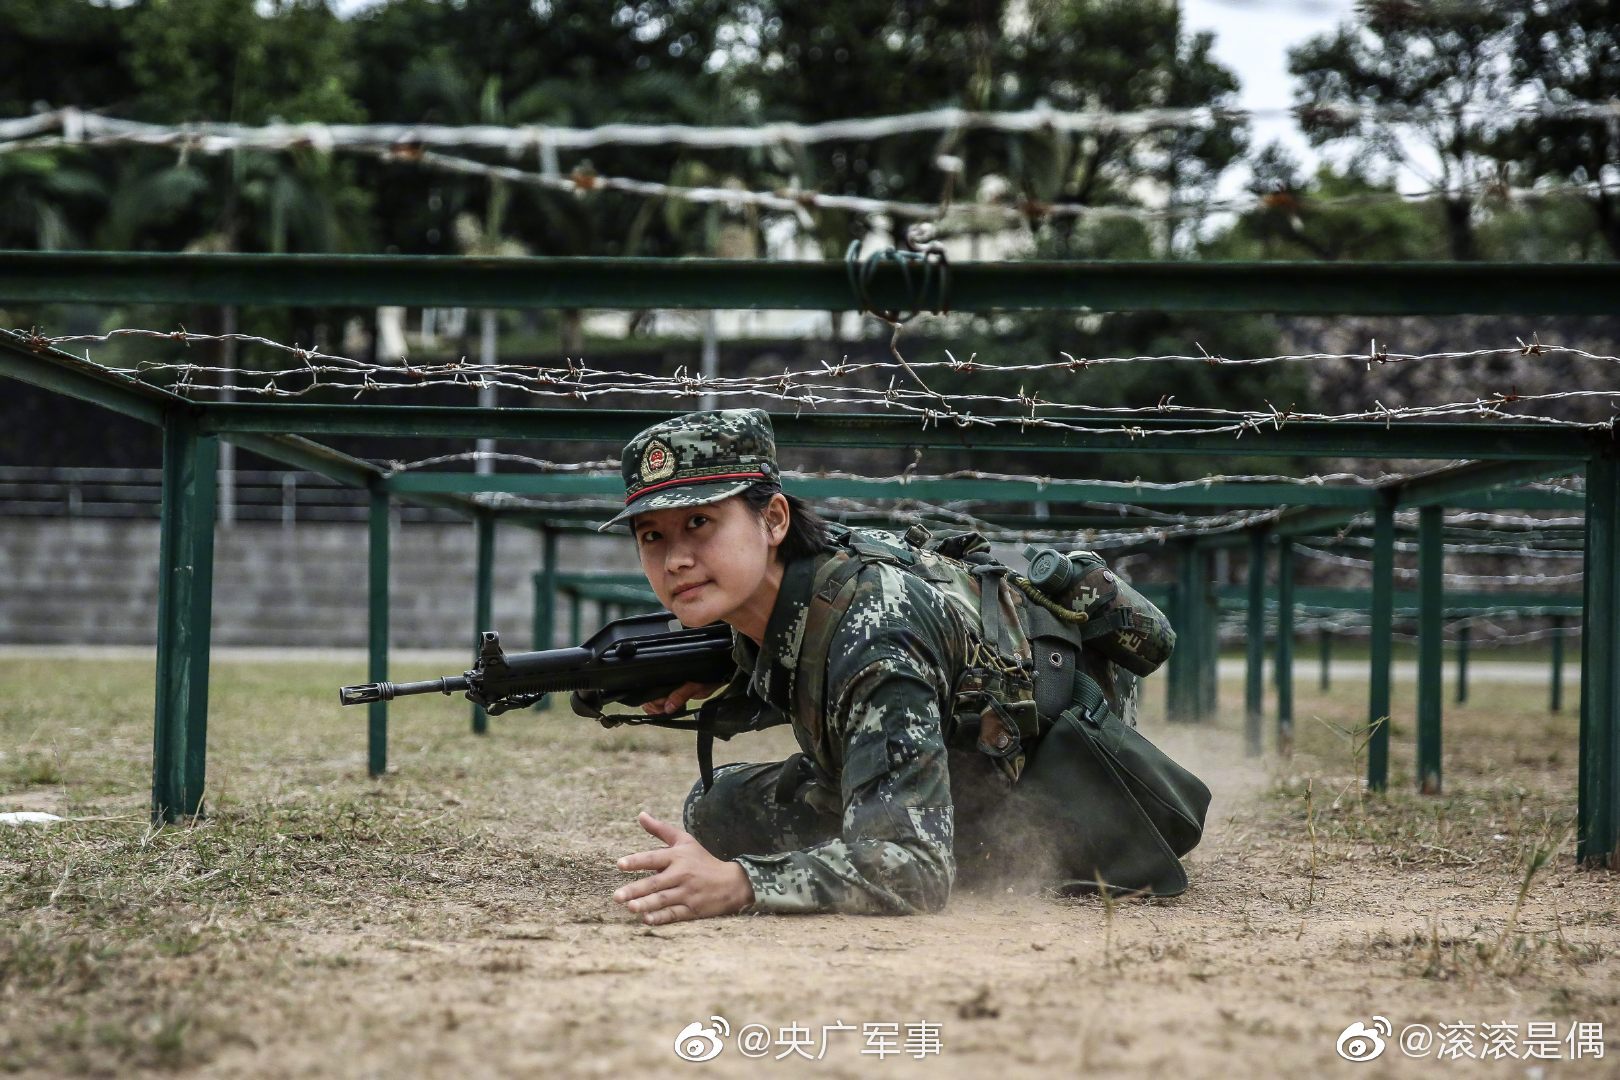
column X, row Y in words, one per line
column 387, row 691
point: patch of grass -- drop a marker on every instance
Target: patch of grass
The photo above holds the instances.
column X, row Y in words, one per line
column 36, row 769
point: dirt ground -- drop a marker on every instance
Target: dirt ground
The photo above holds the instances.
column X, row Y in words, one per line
column 453, row 918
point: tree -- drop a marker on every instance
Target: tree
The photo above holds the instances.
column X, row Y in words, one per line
column 562, row 63
column 1569, row 51
column 1440, row 62
column 55, row 53
column 1120, row 56
column 1339, row 214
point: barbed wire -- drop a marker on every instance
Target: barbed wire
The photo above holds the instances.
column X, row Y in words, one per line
column 609, row 468
column 1515, row 548
column 320, row 371
column 1455, row 577
column 974, row 213
column 606, row 466
column 1495, row 636
column 1375, row 355
column 215, row 137
column 400, row 143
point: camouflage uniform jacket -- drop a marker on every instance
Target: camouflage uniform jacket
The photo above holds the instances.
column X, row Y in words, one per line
column 877, row 746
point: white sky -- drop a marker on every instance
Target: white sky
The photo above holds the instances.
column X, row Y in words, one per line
column 1252, row 37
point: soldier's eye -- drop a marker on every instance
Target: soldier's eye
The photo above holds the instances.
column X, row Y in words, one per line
column 649, row 536
column 697, row 519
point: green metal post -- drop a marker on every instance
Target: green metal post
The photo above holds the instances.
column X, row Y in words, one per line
column 1254, row 685
column 483, row 613
column 1325, row 638
column 1285, row 645
column 576, row 619
column 1184, row 661
column 377, row 730
column 1381, row 640
column 545, row 593
column 1557, row 702
column 1209, row 672
column 1430, row 683
column 1598, row 816
column 185, row 612
column 1463, row 634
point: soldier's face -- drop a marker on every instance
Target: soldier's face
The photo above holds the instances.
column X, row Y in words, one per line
column 715, row 562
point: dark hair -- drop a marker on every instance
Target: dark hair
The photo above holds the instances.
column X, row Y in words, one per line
column 807, row 534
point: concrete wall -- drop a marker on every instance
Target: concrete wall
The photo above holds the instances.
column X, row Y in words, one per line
column 65, row 581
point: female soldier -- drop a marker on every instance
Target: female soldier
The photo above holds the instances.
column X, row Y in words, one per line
column 862, row 819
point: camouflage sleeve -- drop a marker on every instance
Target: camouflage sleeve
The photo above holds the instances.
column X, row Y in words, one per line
column 894, row 853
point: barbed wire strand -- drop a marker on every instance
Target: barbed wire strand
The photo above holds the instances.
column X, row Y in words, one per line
column 214, row 137
column 806, row 389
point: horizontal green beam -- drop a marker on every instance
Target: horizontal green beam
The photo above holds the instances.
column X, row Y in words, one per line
column 1440, row 488
column 973, row 490
column 297, row 452
column 1520, row 499
column 1521, row 442
column 613, row 593
column 631, row 580
column 63, row 373
column 1356, row 599
column 371, row 280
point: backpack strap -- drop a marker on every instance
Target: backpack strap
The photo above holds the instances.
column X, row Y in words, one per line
column 830, row 595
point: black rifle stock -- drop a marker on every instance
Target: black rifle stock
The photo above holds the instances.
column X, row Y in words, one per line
column 628, row 661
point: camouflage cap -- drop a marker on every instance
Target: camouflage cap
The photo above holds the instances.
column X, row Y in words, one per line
column 696, row 459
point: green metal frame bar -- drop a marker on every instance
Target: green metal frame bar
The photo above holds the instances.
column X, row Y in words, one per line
column 1431, row 654
column 1556, row 697
column 941, row 490
column 1284, row 672
column 1223, row 495
column 1383, row 629
column 1517, row 442
column 1254, row 686
column 377, row 618
column 25, row 360
column 185, row 611
column 545, row 593
column 484, row 606
column 1474, row 479
column 1209, row 618
column 1324, row 288
column 1598, row 816
column 1463, row 636
column 191, row 449
column 1325, row 642
column 1404, row 600
column 1182, row 670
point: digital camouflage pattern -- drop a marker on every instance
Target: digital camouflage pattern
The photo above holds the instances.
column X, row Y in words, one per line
column 696, row 459
column 868, row 826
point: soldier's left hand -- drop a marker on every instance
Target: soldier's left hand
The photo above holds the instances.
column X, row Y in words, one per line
column 687, row 883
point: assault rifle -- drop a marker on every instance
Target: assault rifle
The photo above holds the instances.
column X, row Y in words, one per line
column 628, row 661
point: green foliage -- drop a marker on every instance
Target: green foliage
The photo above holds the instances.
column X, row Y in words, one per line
column 241, row 61
column 62, row 52
column 1336, row 215
column 1419, row 57
column 1569, row 50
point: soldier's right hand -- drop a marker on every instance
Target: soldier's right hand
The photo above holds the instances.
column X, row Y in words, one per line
column 676, row 701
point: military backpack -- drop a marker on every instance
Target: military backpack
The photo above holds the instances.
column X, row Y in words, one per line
column 1049, row 694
